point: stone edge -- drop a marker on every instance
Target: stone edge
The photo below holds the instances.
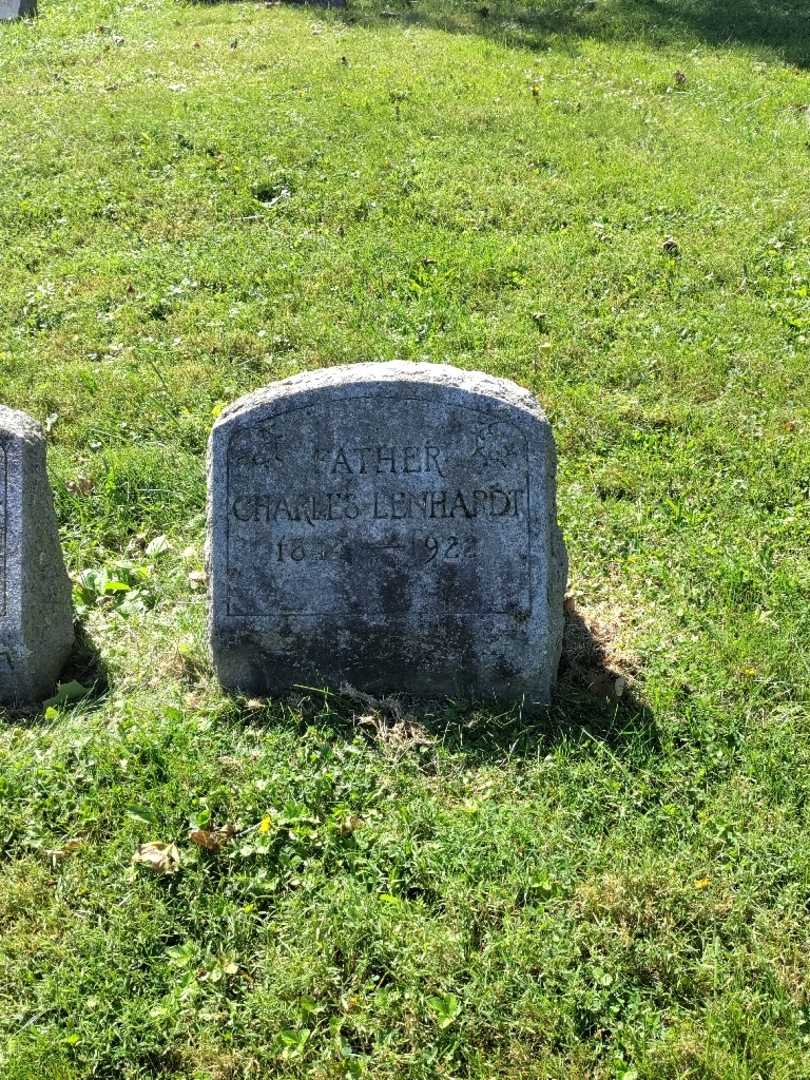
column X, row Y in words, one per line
column 379, row 373
column 20, row 425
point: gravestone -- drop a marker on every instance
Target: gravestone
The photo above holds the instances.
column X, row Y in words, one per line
column 16, row 9
column 389, row 526
column 36, row 619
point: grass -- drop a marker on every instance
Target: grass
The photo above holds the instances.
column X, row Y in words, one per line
column 200, row 199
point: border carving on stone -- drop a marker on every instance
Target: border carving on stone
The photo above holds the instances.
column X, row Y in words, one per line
column 498, row 446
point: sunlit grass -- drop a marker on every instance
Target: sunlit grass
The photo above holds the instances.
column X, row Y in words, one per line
column 199, row 199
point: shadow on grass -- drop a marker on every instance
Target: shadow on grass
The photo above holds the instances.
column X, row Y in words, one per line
column 84, row 681
column 777, row 26
column 594, row 700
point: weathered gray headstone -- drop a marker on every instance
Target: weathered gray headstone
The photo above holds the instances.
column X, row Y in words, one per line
column 36, row 619
column 16, row 9
column 389, row 526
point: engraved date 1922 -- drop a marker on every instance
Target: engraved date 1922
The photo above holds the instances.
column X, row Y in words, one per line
column 422, row 548
column 450, row 548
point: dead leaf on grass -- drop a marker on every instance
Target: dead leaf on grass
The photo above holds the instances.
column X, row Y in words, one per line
column 57, row 854
column 671, row 247
column 158, row 857
column 211, row 839
column 82, row 485
column 349, row 825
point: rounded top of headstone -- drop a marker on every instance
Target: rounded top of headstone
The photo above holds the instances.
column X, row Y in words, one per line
column 19, row 424
column 392, row 375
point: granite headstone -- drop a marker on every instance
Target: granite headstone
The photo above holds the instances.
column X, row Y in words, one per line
column 16, row 9
column 389, row 526
column 36, row 618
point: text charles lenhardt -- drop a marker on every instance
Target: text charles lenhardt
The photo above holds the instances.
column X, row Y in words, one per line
column 349, row 468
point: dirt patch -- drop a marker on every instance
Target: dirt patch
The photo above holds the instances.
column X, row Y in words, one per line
column 593, row 656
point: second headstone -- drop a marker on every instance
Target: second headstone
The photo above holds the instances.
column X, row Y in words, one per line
column 16, row 9
column 36, row 617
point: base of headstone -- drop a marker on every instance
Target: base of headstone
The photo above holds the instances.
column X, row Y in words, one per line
column 36, row 617
column 388, row 526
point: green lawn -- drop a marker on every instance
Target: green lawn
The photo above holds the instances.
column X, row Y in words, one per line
column 196, row 200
